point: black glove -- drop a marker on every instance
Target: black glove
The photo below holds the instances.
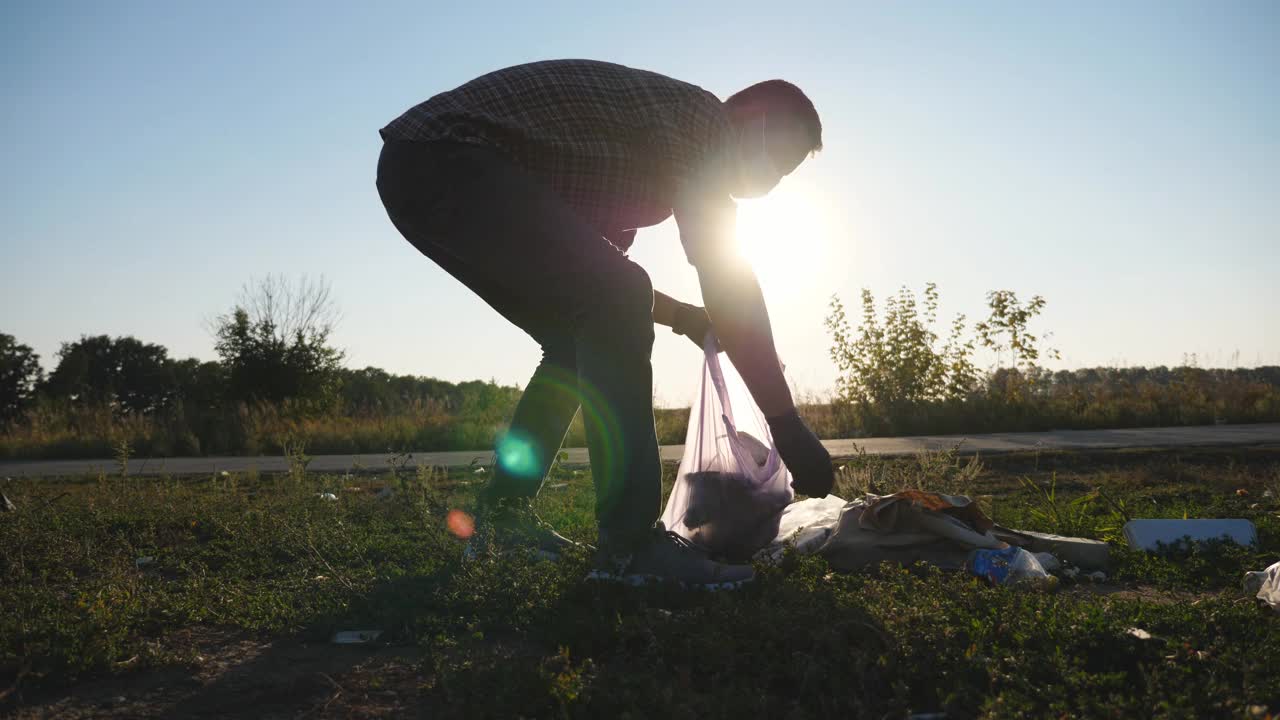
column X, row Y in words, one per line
column 692, row 322
column 803, row 454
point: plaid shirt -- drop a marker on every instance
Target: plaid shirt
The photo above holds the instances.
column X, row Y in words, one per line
column 625, row 148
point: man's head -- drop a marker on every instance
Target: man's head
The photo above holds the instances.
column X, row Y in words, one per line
column 777, row 128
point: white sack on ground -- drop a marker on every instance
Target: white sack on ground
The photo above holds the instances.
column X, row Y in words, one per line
column 1265, row 585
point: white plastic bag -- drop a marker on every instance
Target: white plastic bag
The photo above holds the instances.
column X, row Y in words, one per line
column 1265, row 585
column 731, row 487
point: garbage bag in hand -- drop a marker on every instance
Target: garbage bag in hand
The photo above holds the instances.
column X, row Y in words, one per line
column 731, row 487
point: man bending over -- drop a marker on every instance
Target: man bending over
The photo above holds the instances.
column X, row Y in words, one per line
column 527, row 185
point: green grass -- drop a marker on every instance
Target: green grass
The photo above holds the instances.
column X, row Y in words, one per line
column 266, row 560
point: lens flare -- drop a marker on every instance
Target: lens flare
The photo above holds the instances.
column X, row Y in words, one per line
column 604, row 435
column 460, row 524
column 518, row 455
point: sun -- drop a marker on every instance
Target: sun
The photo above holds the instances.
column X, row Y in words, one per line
column 785, row 235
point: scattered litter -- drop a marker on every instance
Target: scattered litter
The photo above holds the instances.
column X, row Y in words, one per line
column 1097, row 576
column 1048, row 561
column 1242, row 492
column 224, row 473
column 1265, row 585
column 319, row 578
column 1149, row 534
column 1081, row 552
column 918, row 526
column 479, row 471
column 1008, row 566
column 1268, row 494
column 355, row 637
column 6, row 505
column 949, row 532
column 144, row 561
column 327, row 496
column 557, row 486
column 1139, row 633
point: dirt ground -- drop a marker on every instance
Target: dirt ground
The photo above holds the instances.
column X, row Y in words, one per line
column 567, row 640
column 230, row 675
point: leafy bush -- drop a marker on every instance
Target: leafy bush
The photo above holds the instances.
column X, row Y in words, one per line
column 895, row 363
column 275, row 345
column 898, row 378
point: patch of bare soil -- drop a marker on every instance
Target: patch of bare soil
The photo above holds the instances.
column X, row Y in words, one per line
column 230, row 675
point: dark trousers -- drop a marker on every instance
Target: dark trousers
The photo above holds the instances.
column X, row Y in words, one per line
column 518, row 246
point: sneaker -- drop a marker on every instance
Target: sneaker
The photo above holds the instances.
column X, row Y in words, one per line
column 670, row 557
column 505, row 532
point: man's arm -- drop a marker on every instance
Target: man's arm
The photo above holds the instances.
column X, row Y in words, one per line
column 706, row 216
column 737, row 310
column 684, row 319
column 707, row 220
column 664, row 309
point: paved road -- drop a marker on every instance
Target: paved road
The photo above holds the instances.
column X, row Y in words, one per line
column 987, row 444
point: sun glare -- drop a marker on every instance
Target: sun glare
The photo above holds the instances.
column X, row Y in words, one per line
column 785, row 236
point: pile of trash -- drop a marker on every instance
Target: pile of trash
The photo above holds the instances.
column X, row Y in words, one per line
column 948, row 531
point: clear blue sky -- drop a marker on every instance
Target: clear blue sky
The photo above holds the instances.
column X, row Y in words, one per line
column 1121, row 159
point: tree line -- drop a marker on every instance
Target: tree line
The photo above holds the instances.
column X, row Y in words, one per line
column 278, row 382
column 277, row 378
